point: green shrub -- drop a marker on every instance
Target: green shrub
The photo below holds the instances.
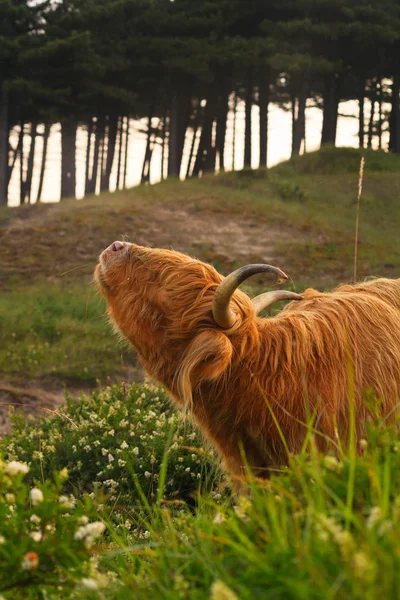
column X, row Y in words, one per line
column 115, row 439
column 46, row 539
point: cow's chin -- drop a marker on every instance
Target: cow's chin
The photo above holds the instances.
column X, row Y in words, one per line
column 100, row 279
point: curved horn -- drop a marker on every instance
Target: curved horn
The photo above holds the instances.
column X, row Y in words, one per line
column 263, row 300
column 222, row 313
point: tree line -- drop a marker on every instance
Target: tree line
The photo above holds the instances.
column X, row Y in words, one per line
column 182, row 65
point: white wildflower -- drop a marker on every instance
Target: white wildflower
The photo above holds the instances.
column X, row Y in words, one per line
column 135, row 451
column 89, row 583
column 14, row 468
column 220, row 591
column 67, row 501
column 124, row 445
column 36, row 536
column 147, row 474
column 35, row 519
column 333, row 464
column 375, row 516
column 36, row 496
column 90, row 532
column 219, row 519
column 37, row 455
column 64, row 474
column 83, row 520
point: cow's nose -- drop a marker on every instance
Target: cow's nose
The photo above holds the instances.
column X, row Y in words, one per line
column 117, row 246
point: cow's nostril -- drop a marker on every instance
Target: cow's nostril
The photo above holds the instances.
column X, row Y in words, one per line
column 117, row 246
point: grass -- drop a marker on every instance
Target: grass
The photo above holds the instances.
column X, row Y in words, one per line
column 58, row 332
column 325, row 527
column 305, row 208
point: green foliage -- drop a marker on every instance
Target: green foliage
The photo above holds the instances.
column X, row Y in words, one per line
column 58, row 331
column 45, row 540
column 326, row 526
column 115, row 439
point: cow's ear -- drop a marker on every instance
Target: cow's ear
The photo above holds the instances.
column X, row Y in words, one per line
column 207, row 358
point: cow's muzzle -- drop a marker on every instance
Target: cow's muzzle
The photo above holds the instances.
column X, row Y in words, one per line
column 115, row 249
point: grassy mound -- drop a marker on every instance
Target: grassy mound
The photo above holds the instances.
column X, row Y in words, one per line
column 329, row 160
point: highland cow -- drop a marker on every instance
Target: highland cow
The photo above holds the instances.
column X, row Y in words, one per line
column 246, row 381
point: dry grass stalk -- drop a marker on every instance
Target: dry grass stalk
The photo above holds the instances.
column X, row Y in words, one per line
column 360, row 182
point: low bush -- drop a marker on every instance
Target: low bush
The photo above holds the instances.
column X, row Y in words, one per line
column 46, row 538
column 115, row 440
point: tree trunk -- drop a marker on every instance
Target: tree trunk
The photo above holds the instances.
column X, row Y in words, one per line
column 120, row 133
column 380, row 120
column 331, row 105
column 247, row 131
column 178, row 122
column 16, row 154
column 204, row 158
column 147, row 153
column 68, row 151
column 173, row 150
column 299, row 121
column 126, row 151
column 372, row 115
column 185, row 112
column 46, row 134
column 88, row 150
column 361, row 116
column 99, row 133
column 222, row 116
column 264, row 103
column 163, row 137
column 195, row 125
column 234, row 131
column 109, row 161
column 31, row 162
column 394, row 142
column 4, row 134
column 102, row 152
column 21, row 168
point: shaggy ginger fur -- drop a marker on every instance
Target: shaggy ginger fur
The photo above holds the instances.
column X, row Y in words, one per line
column 300, row 363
